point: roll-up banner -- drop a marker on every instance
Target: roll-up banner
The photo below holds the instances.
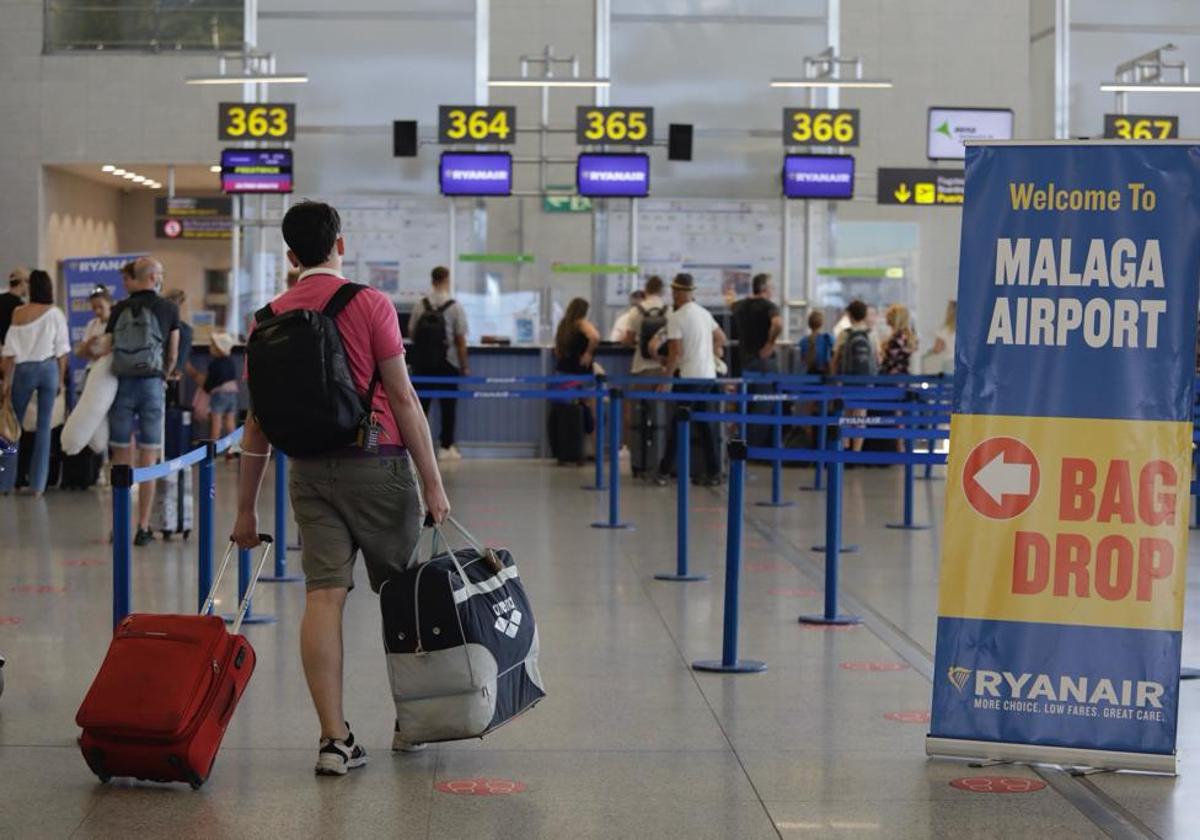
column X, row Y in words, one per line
column 1065, row 538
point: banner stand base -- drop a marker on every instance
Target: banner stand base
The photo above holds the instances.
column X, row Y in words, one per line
column 1037, row 754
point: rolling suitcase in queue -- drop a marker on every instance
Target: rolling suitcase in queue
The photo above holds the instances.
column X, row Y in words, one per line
column 650, row 423
column 173, row 498
column 161, row 701
column 25, row 458
column 82, row 470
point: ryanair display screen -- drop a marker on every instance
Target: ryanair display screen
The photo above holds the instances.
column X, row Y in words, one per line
column 256, row 170
column 818, row 176
column 475, row 173
column 613, row 176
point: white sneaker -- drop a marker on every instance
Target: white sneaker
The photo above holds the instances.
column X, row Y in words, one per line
column 452, row 453
column 338, row 757
column 401, row 745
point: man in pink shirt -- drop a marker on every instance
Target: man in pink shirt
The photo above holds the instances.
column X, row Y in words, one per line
column 351, row 500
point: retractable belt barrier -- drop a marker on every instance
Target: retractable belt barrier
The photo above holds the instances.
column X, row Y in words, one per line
column 125, row 477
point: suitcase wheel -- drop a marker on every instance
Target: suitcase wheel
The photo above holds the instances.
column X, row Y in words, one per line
column 95, row 760
column 193, row 778
column 187, row 534
column 166, row 535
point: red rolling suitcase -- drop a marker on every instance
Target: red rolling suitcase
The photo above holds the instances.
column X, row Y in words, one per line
column 159, row 705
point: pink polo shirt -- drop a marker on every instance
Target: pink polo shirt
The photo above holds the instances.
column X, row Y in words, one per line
column 370, row 331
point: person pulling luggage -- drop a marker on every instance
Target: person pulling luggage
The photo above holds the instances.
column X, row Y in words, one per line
column 329, row 387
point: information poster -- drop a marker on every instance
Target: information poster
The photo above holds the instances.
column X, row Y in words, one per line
column 81, row 276
column 1065, row 541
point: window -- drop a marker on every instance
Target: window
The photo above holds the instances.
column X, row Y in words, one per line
column 143, row 25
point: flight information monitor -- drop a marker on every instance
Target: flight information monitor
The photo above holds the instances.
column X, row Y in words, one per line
column 256, row 170
column 613, row 175
column 476, row 173
column 818, row 176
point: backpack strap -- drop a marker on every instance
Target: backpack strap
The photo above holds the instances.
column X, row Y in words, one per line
column 341, row 298
column 441, row 309
column 264, row 314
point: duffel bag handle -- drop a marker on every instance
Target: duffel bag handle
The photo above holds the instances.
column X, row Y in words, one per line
column 438, row 533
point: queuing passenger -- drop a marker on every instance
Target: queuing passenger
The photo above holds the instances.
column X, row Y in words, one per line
column 644, row 328
column 34, row 360
column 92, row 346
column 438, row 328
column 576, row 340
column 18, row 282
column 621, row 325
column 901, row 344
column 816, row 348
column 940, row 358
column 757, row 325
column 340, row 499
column 694, row 343
column 856, row 354
column 221, row 385
column 186, row 331
column 143, row 333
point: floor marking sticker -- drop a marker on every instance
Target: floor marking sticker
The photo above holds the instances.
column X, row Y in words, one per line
column 908, row 717
column 997, row 784
column 874, row 666
column 480, row 787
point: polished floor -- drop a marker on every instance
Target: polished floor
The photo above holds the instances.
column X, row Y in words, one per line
column 631, row 743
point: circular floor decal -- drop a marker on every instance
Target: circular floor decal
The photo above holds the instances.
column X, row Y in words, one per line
column 38, row 589
column 794, row 591
column 480, row 787
column 874, row 666
column 828, row 628
column 908, row 717
column 997, row 784
column 86, row 561
column 767, row 567
column 9, row 620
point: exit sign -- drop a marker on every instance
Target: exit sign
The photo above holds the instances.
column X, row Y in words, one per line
column 566, row 204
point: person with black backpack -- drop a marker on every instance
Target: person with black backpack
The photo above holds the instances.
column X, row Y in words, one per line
column 143, row 336
column 329, row 387
column 438, row 329
column 856, row 354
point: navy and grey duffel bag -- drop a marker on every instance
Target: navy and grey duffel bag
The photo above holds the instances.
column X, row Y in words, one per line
column 461, row 643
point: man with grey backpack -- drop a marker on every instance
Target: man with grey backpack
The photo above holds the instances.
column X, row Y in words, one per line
column 856, row 354
column 143, row 331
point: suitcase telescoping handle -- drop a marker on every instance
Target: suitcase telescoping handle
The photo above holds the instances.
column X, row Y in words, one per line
column 266, row 540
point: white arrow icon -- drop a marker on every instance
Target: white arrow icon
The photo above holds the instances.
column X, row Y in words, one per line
column 999, row 478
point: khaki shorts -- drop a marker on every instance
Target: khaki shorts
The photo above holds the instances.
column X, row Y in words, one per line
column 346, row 505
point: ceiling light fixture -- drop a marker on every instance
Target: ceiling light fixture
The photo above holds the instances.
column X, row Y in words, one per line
column 831, row 83
column 139, row 179
column 108, row 167
column 1149, row 87
column 534, row 82
column 118, row 172
column 250, row 78
column 215, row 168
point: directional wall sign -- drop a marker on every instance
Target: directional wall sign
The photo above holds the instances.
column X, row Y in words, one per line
column 919, row 187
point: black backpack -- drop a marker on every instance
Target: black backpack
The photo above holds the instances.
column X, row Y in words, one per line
column 858, row 355
column 430, row 336
column 301, row 390
column 653, row 320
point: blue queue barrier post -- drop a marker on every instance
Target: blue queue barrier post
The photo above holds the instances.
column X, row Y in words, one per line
column 122, row 485
column 683, row 466
column 614, row 464
column 207, row 521
column 831, row 466
column 833, row 538
column 743, row 408
column 281, row 515
column 599, row 482
column 244, row 575
column 822, row 439
column 777, row 500
column 909, row 475
column 729, row 662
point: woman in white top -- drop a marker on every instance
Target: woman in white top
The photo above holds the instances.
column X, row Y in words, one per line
column 35, row 359
column 93, row 346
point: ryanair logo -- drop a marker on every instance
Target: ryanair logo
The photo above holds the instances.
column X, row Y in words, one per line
column 959, row 677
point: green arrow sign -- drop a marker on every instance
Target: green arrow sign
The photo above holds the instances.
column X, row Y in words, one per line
column 566, row 204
